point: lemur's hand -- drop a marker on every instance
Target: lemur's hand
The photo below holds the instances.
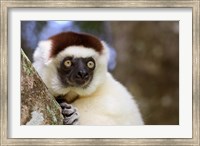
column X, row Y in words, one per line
column 70, row 114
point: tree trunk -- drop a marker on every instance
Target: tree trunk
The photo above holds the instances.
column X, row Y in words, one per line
column 38, row 106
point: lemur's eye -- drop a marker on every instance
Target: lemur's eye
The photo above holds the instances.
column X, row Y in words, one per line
column 90, row 64
column 67, row 63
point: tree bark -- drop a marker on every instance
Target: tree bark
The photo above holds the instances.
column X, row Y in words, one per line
column 38, row 106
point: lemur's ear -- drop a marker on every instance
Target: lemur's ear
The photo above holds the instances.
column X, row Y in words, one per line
column 42, row 52
column 105, row 49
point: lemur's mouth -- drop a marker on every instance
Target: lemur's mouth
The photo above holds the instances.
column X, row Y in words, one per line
column 82, row 82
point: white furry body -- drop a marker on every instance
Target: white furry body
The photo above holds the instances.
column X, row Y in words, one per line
column 111, row 104
column 104, row 102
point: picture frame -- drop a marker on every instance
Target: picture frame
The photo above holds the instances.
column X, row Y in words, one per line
column 5, row 5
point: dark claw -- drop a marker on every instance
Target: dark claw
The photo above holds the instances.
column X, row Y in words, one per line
column 65, row 105
column 69, row 112
column 71, row 120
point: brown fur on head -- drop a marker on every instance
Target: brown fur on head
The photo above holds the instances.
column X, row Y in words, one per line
column 66, row 39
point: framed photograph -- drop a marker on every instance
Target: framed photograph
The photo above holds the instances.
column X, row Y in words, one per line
column 153, row 53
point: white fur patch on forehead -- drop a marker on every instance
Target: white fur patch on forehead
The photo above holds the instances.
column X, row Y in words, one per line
column 77, row 51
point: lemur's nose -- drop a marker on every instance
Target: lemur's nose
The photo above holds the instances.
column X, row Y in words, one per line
column 82, row 74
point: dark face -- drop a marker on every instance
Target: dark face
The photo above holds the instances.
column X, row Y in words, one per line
column 76, row 72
